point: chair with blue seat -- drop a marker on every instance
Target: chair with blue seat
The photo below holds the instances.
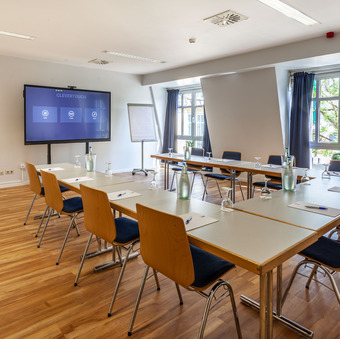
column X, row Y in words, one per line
column 164, row 247
column 99, row 221
column 225, row 173
column 334, row 166
column 55, row 202
column 38, row 191
column 195, row 169
column 275, row 183
column 324, row 254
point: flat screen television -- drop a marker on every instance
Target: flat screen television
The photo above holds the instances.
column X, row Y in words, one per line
column 63, row 115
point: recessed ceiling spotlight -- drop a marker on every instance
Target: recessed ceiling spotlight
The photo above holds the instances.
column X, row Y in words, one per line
column 226, row 18
column 15, row 35
column 130, row 56
column 290, row 12
column 192, row 40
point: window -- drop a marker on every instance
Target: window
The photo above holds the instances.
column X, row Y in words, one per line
column 324, row 118
column 190, row 118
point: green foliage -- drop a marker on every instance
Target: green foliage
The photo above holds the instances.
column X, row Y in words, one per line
column 336, row 156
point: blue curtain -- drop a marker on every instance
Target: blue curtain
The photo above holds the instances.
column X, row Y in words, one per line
column 170, row 121
column 299, row 117
column 206, row 137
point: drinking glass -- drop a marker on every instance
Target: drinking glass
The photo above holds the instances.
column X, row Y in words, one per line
column 77, row 163
column 153, row 183
column 170, row 151
column 257, row 163
column 265, row 191
column 305, row 180
column 325, row 174
column 108, row 171
column 209, row 156
column 226, row 203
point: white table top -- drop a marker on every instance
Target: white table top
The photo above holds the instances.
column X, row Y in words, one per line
column 255, row 243
column 316, row 193
column 69, row 171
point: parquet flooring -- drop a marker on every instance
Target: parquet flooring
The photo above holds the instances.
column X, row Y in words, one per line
column 38, row 299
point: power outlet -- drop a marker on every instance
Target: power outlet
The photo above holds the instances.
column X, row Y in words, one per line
column 1, row 172
column 9, row 172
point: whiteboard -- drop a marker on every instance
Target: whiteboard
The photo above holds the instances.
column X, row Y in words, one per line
column 142, row 125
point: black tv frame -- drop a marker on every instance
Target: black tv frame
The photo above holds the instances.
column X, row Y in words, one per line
column 49, row 142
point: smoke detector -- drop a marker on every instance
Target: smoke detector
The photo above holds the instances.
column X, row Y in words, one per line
column 98, row 62
column 226, row 18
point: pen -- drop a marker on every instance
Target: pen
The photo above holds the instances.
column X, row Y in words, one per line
column 77, row 179
column 120, row 194
column 188, row 220
column 316, row 207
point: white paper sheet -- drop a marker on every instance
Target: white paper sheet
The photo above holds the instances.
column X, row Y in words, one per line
column 122, row 195
column 334, row 189
column 195, row 220
column 301, row 205
column 78, row 179
column 271, row 166
column 52, row 169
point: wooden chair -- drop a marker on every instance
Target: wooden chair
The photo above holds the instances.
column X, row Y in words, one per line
column 323, row 254
column 38, row 190
column 164, row 247
column 195, row 169
column 54, row 200
column 99, row 221
column 275, row 183
column 225, row 174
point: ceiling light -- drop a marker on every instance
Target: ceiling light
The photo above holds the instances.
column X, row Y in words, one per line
column 290, row 12
column 15, row 35
column 99, row 62
column 134, row 57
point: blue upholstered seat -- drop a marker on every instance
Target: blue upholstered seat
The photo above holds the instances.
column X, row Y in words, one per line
column 270, row 185
column 207, row 266
column 72, row 205
column 126, row 230
column 217, row 176
column 62, row 189
column 325, row 251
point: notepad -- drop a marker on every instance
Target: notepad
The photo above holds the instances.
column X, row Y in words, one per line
column 122, row 195
column 334, row 189
column 52, row 169
column 301, row 205
column 195, row 220
column 77, row 179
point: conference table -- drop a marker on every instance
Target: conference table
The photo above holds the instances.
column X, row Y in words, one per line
column 232, row 165
column 256, row 243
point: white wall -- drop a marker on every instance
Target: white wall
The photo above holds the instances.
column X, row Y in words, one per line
column 124, row 88
column 243, row 113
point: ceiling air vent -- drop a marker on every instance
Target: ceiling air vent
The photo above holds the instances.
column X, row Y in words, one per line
column 98, row 62
column 226, row 18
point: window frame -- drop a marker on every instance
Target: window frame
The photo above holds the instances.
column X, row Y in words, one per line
column 194, row 107
column 315, row 144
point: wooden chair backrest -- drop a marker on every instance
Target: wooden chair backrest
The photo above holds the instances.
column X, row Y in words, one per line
column 35, row 184
column 98, row 217
column 164, row 245
column 53, row 197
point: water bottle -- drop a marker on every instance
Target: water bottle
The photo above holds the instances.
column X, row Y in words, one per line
column 187, row 151
column 288, row 180
column 90, row 162
column 284, row 159
column 183, row 188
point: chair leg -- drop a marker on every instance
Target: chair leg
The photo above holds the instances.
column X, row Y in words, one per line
column 29, row 211
column 172, row 181
column 83, row 259
column 66, row 237
column 76, row 227
column 239, row 183
column 315, row 268
column 156, row 279
column 205, row 188
column 219, row 190
column 208, row 307
column 179, row 294
column 193, row 180
column 120, row 278
column 43, row 232
column 335, row 230
column 303, row 262
column 41, row 221
column 138, row 300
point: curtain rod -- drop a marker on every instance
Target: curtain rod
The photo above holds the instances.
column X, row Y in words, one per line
column 318, row 70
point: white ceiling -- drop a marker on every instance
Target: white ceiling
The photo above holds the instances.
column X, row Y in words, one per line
column 77, row 31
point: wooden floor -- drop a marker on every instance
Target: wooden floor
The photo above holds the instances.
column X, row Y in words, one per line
column 38, row 299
